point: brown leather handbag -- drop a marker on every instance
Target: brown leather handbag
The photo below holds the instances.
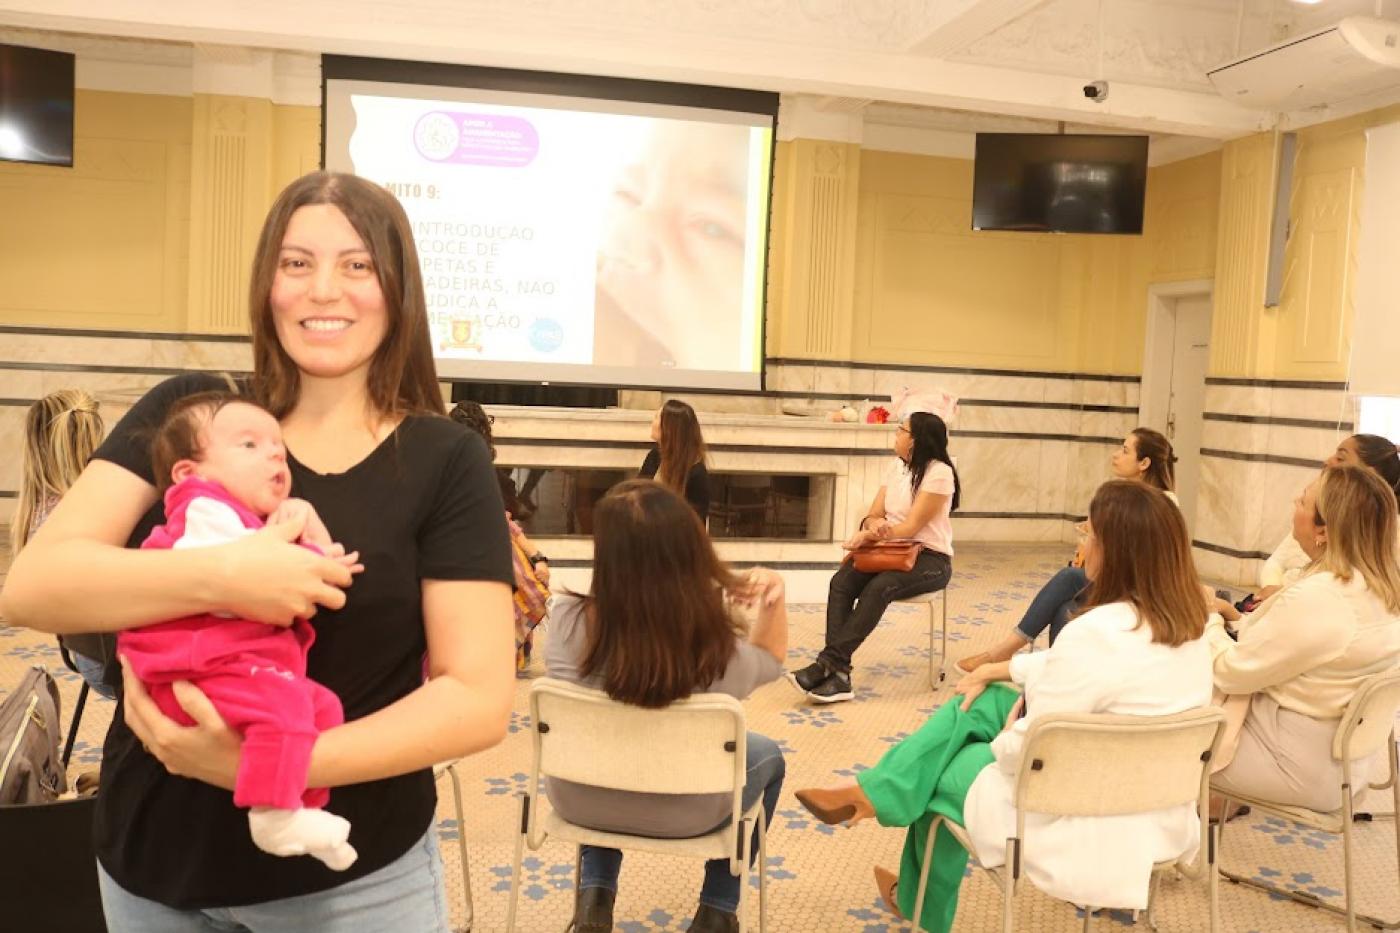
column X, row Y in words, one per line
column 897, row 554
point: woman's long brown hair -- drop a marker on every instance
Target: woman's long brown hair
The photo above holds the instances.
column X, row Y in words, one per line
column 681, row 446
column 1145, row 557
column 1153, row 445
column 657, row 625
column 402, row 376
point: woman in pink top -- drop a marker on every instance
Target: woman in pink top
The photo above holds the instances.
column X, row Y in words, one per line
column 917, row 499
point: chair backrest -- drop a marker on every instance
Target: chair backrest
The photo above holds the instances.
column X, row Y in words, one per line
column 1369, row 718
column 693, row 746
column 1104, row 765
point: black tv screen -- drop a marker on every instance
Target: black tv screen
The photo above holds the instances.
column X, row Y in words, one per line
column 36, row 105
column 1059, row 184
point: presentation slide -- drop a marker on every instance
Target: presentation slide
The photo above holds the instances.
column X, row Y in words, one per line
column 567, row 239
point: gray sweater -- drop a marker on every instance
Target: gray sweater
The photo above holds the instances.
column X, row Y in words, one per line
column 663, row 816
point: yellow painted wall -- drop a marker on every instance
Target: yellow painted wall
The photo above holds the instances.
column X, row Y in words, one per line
column 104, row 244
column 124, row 238
column 1308, row 336
column 871, row 256
column 926, row 289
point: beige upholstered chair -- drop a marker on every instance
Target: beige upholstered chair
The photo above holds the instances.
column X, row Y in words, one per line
column 449, row 768
column 936, row 672
column 1105, row 765
column 1366, row 727
column 694, row 746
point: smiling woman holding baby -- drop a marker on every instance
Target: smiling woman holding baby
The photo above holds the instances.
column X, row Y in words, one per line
column 343, row 362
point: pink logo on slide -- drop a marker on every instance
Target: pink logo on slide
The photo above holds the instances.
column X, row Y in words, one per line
column 476, row 139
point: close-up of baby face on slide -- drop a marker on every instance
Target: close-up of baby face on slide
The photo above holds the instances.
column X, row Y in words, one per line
column 672, row 250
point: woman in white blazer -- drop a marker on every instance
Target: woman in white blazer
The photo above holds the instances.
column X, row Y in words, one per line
column 1302, row 655
column 1135, row 649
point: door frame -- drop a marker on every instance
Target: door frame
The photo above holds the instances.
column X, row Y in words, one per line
column 1158, row 351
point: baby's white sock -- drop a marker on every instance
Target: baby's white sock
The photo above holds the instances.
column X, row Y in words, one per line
column 303, row 832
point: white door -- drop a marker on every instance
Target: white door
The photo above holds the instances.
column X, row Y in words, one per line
column 1187, row 395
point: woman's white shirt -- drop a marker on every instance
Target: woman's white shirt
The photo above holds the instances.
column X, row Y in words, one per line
column 1285, row 565
column 937, row 535
column 1103, row 662
column 1310, row 646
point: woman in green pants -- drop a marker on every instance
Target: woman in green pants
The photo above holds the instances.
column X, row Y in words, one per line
column 1135, row 649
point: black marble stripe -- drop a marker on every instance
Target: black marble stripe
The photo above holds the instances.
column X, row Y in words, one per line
column 1282, row 422
column 956, row 370
column 124, row 334
column 26, row 366
column 604, row 444
column 1229, row 551
column 1276, row 383
column 1261, row 458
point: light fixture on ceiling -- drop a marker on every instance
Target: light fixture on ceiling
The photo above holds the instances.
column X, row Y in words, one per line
column 1308, row 2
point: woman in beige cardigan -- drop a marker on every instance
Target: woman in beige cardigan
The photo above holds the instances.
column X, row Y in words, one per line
column 1300, row 657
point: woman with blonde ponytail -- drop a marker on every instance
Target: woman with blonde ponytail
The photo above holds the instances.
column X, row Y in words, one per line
column 60, row 433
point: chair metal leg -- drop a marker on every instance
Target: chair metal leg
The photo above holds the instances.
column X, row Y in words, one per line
column 1088, row 918
column 762, row 871
column 1347, row 891
column 924, row 869
column 515, row 866
column 744, row 872
column 468, row 906
column 1011, row 873
column 1212, row 861
column 937, row 673
column 1305, row 897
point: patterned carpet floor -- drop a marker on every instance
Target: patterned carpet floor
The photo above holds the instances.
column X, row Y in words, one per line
column 820, row 876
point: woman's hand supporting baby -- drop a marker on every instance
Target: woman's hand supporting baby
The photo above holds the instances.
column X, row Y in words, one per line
column 267, row 578
column 208, row 751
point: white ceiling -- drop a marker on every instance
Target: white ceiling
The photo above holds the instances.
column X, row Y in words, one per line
column 910, row 65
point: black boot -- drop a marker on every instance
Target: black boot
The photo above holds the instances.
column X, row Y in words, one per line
column 593, row 911
column 710, row 920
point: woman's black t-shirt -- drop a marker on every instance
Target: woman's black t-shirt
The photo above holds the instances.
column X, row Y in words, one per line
column 423, row 505
column 697, row 483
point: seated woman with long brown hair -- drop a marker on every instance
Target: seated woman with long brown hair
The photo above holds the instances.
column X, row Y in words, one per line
column 1304, row 652
column 678, row 459
column 1136, row 648
column 659, row 623
column 1145, row 456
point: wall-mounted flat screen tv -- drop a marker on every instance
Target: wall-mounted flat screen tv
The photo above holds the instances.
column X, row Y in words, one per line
column 36, row 105
column 1046, row 183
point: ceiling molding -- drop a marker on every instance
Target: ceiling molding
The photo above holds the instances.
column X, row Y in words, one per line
column 959, row 23
column 406, row 30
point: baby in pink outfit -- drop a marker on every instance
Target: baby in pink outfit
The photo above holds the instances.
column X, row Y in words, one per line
column 229, row 472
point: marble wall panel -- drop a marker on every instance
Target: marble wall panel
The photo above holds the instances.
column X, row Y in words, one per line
column 1018, row 420
column 1106, row 424
column 1238, row 400
column 1004, row 529
column 21, row 383
column 1228, row 511
column 1237, row 437
column 1055, row 459
column 998, row 476
column 1314, row 444
column 91, row 351
column 203, row 354
column 1329, row 405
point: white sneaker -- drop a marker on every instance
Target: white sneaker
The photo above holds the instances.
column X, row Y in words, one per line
column 303, row 831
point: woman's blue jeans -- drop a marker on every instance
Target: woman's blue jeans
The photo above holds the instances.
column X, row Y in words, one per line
column 1054, row 604
column 600, row 867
